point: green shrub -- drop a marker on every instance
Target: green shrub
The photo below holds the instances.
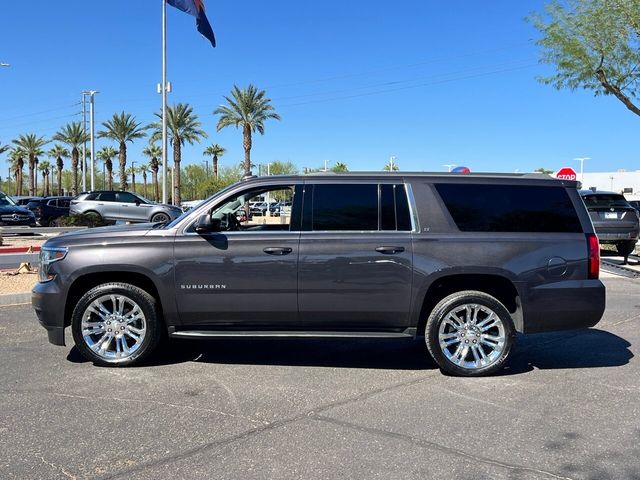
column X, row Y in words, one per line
column 82, row 220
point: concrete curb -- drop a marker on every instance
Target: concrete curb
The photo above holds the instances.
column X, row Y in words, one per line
column 15, row 298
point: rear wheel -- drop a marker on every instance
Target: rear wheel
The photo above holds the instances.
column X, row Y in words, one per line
column 469, row 333
column 626, row 248
column 116, row 324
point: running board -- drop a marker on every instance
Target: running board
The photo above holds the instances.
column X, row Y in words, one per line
column 408, row 333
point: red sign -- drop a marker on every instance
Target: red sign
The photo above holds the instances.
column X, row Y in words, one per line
column 566, row 173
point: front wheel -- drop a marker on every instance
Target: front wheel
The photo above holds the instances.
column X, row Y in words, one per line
column 470, row 334
column 116, row 324
column 160, row 218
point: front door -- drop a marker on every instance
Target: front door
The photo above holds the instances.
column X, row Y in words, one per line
column 244, row 275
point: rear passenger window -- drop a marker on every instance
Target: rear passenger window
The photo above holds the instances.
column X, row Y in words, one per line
column 108, row 197
column 509, row 208
column 345, row 207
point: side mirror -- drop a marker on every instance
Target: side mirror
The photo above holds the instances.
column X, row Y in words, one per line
column 206, row 224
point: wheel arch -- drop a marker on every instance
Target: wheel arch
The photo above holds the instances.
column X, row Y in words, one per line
column 88, row 280
column 498, row 286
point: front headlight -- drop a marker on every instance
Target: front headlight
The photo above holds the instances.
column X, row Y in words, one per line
column 49, row 255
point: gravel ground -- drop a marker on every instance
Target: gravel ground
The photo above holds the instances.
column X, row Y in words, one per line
column 20, row 283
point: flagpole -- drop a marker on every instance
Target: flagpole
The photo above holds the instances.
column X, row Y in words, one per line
column 164, row 102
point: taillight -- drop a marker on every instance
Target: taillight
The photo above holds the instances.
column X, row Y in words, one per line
column 593, row 246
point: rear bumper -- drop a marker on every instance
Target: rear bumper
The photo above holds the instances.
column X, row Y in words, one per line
column 563, row 305
column 47, row 301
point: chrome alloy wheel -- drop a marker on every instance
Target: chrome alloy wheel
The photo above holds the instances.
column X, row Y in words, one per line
column 113, row 327
column 472, row 336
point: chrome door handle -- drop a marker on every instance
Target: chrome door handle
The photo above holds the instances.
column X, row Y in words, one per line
column 278, row 250
column 390, row 250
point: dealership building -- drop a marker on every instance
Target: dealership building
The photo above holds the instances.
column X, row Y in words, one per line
column 621, row 181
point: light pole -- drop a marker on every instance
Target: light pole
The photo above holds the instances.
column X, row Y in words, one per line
column 611, row 178
column 392, row 161
column 581, row 160
column 2, row 64
column 91, row 94
column 450, row 166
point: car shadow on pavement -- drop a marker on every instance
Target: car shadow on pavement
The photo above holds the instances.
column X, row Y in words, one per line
column 589, row 348
column 559, row 350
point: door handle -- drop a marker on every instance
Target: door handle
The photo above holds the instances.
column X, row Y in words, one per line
column 277, row 250
column 389, row 250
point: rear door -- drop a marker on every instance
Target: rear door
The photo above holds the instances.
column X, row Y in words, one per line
column 355, row 266
column 132, row 208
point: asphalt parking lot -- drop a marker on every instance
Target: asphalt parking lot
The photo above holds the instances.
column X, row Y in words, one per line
column 567, row 406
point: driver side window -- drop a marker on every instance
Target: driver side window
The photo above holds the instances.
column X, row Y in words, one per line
column 260, row 209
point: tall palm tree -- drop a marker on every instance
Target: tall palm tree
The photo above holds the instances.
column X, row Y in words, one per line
column 132, row 170
column 183, row 126
column 154, row 152
column 122, row 128
column 215, row 151
column 4, row 148
column 73, row 135
column 16, row 158
column 143, row 169
column 249, row 109
column 58, row 152
column 31, row 145
column 340, row 167
column 106, row 155
column 45, row 168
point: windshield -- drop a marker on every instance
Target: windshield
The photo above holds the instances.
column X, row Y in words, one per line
column 605, row 201
column 6, row 201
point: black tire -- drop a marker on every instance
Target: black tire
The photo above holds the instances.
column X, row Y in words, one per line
column 153, row 330
column 469, row 342
column 626, row 248
column 160, row 217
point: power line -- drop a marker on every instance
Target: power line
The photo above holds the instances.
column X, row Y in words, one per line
column 41, row 112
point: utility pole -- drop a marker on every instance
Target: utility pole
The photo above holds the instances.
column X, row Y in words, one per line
column 91, row 94
column 83, row 167
column 392, row 160
column 163, row 90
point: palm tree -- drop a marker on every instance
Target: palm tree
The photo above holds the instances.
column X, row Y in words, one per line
column 143, row 170
column 16, row 158
column 58, row 152
column 154, row 152
column 73, row 135
column 4, row 148
column 107, row 154
column 248, row 109
column 183, row 126
column 340, row 167
column 391, row 167
column 132, row 170
column 45, row 168
column 215, row 151
column 31, row 145
column 122, row 128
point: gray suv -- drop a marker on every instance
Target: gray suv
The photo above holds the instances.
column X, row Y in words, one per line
column 463, row 261
column 126, row 206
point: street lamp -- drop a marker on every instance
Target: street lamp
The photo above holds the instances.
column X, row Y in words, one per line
column 2, row 64
column 581, row 160
column 449, row 166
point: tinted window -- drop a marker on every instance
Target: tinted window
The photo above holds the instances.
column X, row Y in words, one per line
column 64, row 203
column 33, row 204
column 107, row 197
column 345, row 207
column 394, row 208
column 89, row 196
column 509, row 208
column 605, row 201
column 127, row 197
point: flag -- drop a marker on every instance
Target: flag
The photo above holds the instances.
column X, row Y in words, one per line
column 196, row 9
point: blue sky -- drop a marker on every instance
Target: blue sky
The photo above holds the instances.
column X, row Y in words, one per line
column 432, row 83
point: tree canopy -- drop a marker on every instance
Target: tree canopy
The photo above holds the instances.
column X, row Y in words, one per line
column 593, row 45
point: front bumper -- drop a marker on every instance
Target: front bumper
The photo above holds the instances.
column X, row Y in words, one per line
column 48, row 302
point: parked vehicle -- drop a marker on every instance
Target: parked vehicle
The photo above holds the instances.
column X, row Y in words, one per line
column 614, row 219
column 14, row 215
column 279, row 208
column 47, row 210
column 125, row 206
column 23, row 200
column 465, row 261
column 635, row 204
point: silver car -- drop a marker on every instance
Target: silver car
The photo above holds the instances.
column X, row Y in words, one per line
column 110, row 205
